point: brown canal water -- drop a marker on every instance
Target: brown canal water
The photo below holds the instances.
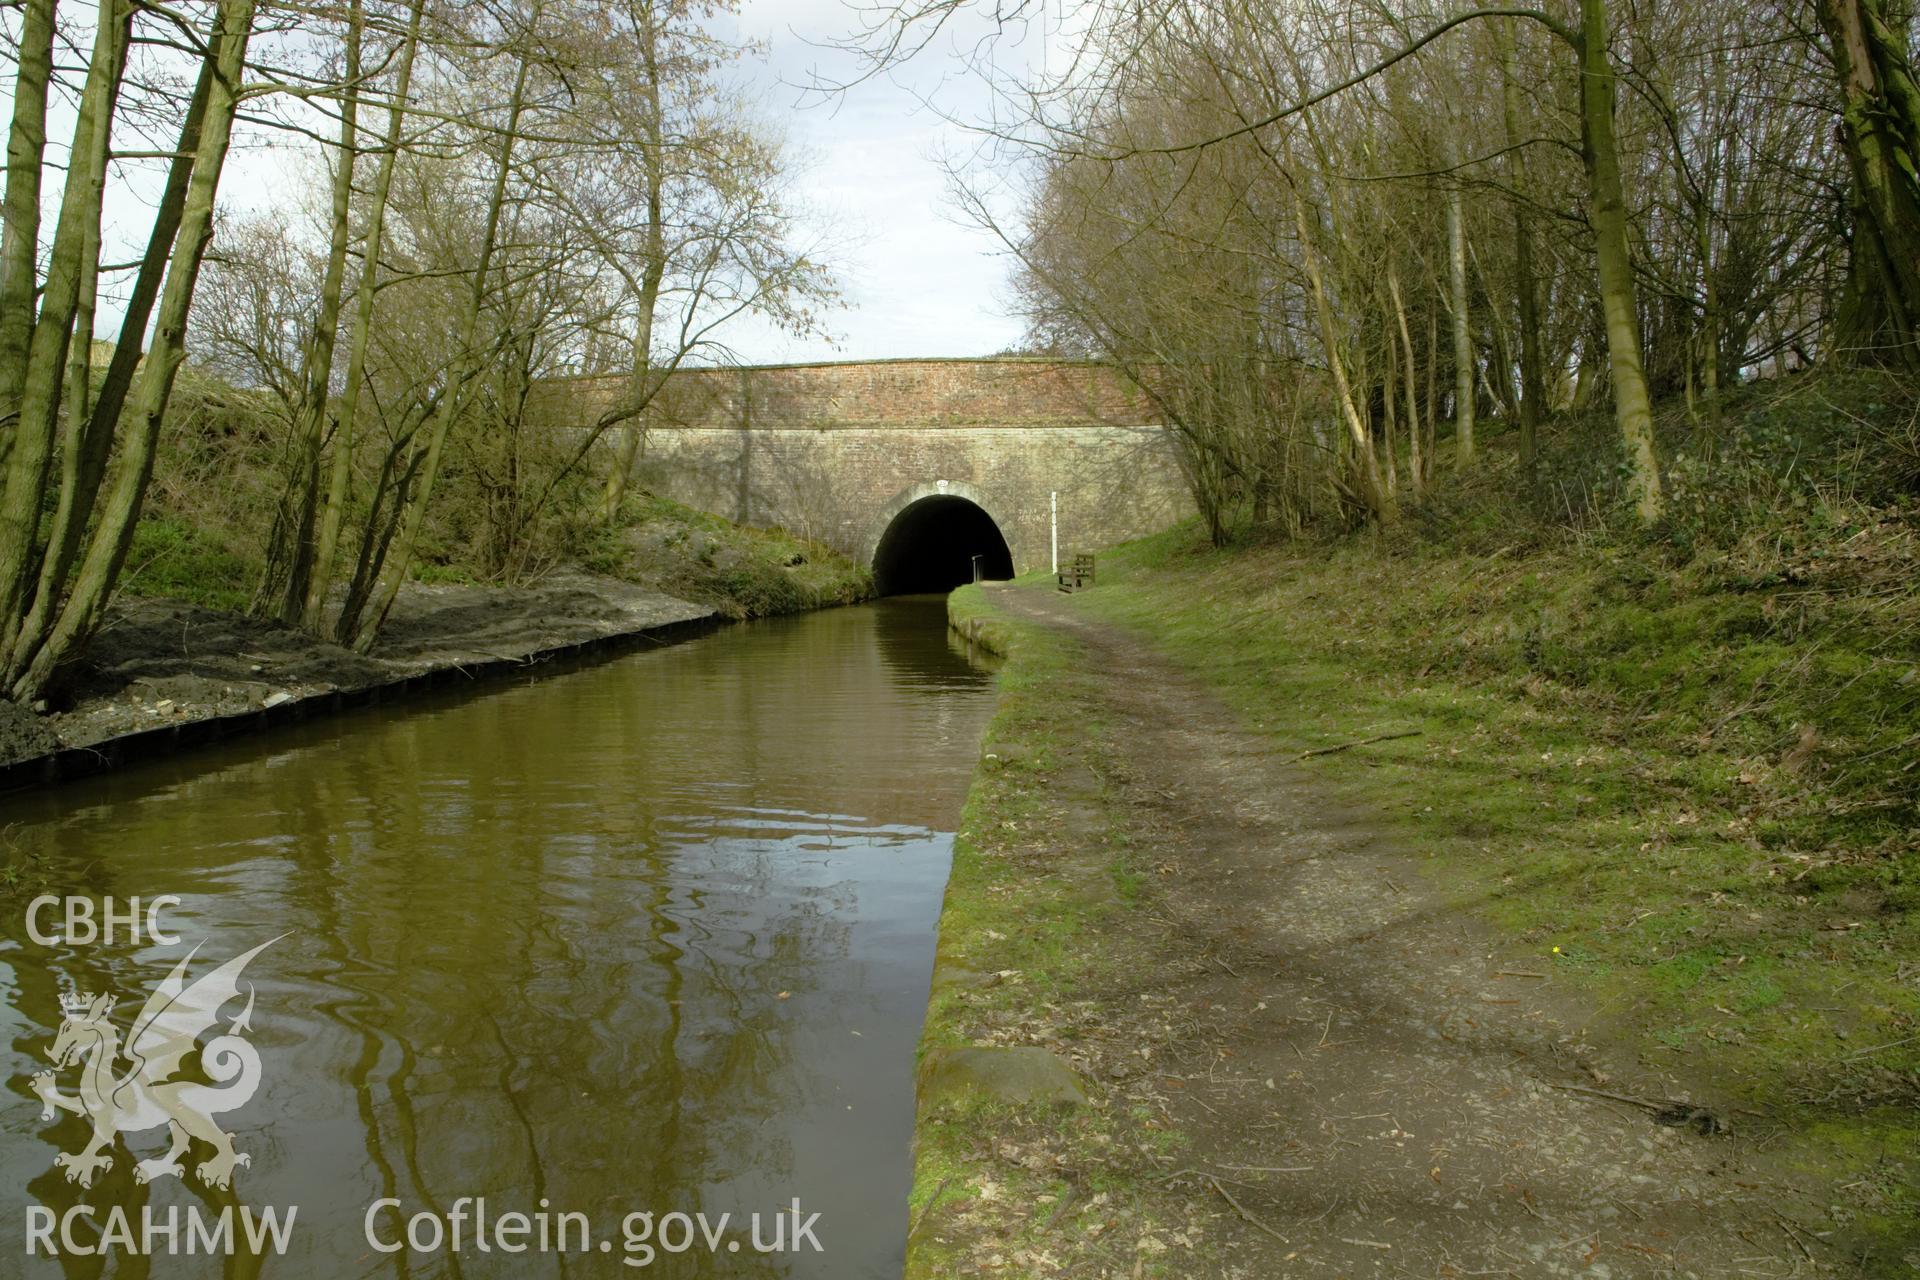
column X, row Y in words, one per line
column 652, row 936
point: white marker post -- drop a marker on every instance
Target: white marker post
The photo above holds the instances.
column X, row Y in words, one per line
column 1053, row 527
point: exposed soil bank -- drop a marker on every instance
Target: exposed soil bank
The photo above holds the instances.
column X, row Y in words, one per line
column 741, row 570
column 161, row 670
column 1307, row 1046
column 172, row 666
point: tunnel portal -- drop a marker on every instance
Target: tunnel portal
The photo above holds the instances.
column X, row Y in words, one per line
column 930, row 546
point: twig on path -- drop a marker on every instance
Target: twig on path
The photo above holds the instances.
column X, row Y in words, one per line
column 1073, row 1194
column 1202, row 1173
column 1242, row 1210
column 1891, row 1044
column 1793, row 1235
column 1518, row 973
column 1702, row 1120
column 913, row 1228
column 1366, row 1244
column 1613, row 1097
column 1348, row 746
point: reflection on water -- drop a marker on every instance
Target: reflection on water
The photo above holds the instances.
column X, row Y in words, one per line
column 653, row 935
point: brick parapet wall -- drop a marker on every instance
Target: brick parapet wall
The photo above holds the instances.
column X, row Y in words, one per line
column 999, row 391
column 835, row 451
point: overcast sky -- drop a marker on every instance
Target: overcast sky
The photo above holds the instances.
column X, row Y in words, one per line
column 918, row 280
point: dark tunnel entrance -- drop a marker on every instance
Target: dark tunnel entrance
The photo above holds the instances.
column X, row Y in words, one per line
column 930, row 546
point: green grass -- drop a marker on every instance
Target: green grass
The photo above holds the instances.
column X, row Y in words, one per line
column 1693, row 769
column 171, row 557
column 1041, row 886
column 1606, row 761
column 746, row 572
column 1042, row 700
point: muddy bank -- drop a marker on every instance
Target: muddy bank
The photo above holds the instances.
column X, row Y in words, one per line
column 163, row 666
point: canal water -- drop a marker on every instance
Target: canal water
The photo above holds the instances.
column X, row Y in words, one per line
column 649, row 937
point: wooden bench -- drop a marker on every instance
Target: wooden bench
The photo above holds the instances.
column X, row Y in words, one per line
column 1079, row 575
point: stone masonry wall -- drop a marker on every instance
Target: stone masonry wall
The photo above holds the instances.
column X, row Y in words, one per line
column 835, row 451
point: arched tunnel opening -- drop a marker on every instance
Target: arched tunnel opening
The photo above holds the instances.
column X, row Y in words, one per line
column 931, row 544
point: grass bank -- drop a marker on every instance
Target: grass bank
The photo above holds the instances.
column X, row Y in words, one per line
column 1639, row 777
column 203, row 533
column 1034, row 951
column 1682, row 767
column 1679, row 767
column 742, row 571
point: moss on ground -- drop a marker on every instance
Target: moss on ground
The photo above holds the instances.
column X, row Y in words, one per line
column 1028, row 933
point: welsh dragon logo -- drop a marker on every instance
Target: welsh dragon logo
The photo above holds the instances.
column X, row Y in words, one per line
column 149, row 1091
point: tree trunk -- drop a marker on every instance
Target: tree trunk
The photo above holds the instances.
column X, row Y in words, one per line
column 103, row 416
column 20, row 214
column 1880, row 107
column 655, row 271
column 1416, row 471
column 293, row 541
column 1372, row 492
column 453, row 402
column 1709, row 318
column 1390, row 459
column 113, row 535
column 340, row 472
column 1633, row 408
column 45, row 372
column 1463, row 395
column 1533, row 388
column 1433, row 394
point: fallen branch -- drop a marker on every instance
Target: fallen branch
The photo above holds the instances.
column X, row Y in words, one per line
column 1611, row 1097
column 1672, row 1114
column 926, row 1209
column 1868, row 1052
column 1242, row 1211
column 1794, row 1236
column 1348, row 746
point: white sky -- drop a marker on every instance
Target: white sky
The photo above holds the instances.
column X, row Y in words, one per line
column 915, row 279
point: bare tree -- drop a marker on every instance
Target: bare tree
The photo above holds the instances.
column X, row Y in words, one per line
column 56, row 576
